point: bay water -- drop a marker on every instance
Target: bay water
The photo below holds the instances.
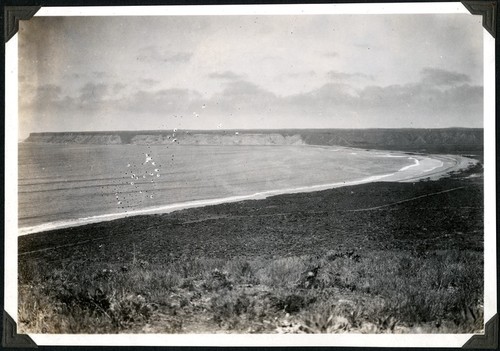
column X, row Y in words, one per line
column 58, row 182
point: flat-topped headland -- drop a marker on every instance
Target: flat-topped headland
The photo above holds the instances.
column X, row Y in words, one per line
column 444, row 140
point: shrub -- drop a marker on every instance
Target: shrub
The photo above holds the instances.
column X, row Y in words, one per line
column 216, row 280
column 327, row 319
column 228, row 308
column 290, row 303
column 241, row 271
column 283, row 272
column 130, row 309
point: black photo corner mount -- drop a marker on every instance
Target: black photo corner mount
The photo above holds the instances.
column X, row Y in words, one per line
column 11, row 338
column 487, row 9
column 12, row 16
column 490, row 338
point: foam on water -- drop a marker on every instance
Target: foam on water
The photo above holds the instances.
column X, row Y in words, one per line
column 415, row 164
column 439, row 164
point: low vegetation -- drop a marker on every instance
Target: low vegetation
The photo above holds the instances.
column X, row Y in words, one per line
column 387, row 291
column 288, row 264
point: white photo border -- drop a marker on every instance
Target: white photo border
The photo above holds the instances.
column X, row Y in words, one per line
column 403, row 340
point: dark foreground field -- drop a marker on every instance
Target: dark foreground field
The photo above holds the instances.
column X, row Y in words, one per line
column 372, row 258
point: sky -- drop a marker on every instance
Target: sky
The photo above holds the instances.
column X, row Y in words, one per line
column 247, row 72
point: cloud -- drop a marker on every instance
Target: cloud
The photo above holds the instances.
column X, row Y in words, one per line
column 48, row 92
column 440, row 77
column 92, row 92
column 243, row 99
column 179, row 57
column 417, row 104
column 160, row 101
column 227, row 75
column 423, row 105
column 100, row 74
column 178, row 93
column 330, row 94
column 331, row 54
column 33, row 97
column 335, row 75
column 154, row 54
column 243, row 87
column 244, row 104
column 149, row 81
column 309, row 73
column 49, row 97
column 118, row 87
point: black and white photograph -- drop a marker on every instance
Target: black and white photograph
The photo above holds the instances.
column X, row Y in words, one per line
column 264, row 172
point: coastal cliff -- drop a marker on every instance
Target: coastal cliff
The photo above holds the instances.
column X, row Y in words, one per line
column 398, row 139
column 74, row 138
column 218, row 139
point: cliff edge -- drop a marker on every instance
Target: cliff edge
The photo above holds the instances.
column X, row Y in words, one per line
column 429, row 140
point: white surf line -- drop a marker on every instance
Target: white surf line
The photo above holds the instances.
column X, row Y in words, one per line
column 433, row 168
column 399, row 176
column 416, row 163
column 392, row 155
column 448, row 163
column 190, row 204
column 451, row 162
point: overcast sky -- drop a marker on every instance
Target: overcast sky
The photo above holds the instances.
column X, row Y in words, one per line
column 235, row 72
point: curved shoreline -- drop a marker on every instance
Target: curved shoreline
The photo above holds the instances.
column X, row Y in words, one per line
column 440, row 166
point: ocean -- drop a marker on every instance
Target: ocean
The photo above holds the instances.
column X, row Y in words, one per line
column 73, row 181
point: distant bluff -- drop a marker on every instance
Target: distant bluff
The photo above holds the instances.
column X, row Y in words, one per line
column 164, row 137
column 431, row 140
